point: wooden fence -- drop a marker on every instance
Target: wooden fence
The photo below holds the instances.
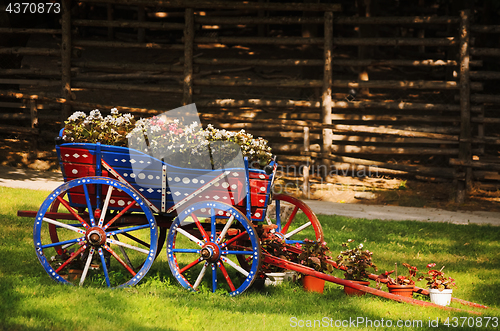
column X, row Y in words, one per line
column 386, row 95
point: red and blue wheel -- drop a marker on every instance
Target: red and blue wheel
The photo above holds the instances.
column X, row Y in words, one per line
column 203, row 246
column 294, row 220
column 105, row 233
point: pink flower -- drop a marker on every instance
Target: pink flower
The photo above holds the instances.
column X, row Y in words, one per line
column 430, row 265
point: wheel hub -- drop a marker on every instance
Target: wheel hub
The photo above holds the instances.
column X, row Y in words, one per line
column 210, row 252
column 96, row 236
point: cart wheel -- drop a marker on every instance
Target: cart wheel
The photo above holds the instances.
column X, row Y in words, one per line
column 98, row 247
column 209, row 236
column 294, row 219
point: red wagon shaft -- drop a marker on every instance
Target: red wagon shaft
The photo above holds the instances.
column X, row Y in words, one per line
column 311, row 272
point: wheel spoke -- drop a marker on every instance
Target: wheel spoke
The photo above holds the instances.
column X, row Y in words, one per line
column 89, row 204
column 186, row 250
column 128, row 235
column 133, row 228
column 122, row 244
column 292, row 216
column 237, row 252
column 124, row 210
column 230, row 241
column 87, row 266
column 224, row 231
column 190, row 265
column 214, row 277
column 63, row 225
column 71, row 258
column 235, row 266
column 200, row 227
column 105, row 207
column 213, row 223
column 112, row 252
column 104, row 267
column 297, row 230
column 127, row 260
column 200, row 276
column 67, row 243
column 190, row 236
column 226, row 276
column 70, row 209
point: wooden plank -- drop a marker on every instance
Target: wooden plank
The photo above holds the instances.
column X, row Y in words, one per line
column 127, row 87
column 475, row 164
column 30, row 51
column 319, row 41
column 319, row 20
column 157, row 67
column 239, row 5
column 29, row 31
column 414, row 169
column 303, row 83
column 119, row 44
column 485, row 28
column 129, row 24
column 14, row 116
column 36, row 82
column 18, row 129
column 483, row 51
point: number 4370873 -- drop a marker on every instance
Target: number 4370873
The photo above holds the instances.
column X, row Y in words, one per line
column 472, row 322
column 33, row 8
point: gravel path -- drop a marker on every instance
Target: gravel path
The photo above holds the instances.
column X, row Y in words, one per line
column 41, row 180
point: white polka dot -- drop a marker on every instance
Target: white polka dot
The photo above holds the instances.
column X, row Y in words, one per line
column 185, row 180
column 121, row 203
column 141, row 176
column 195, row 180
column 177, row 179
column 150, row 177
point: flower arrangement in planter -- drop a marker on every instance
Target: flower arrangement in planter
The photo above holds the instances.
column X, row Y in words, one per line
column 315, row 255
column 356, row 262
column 440, row 286
column 159, row 136
column 401, row 285
column 92, row 128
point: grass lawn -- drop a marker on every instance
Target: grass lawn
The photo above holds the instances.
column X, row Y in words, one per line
column 30, row 300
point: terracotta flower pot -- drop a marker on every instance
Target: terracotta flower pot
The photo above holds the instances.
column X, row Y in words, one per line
column 351, row 291
column 313, row 284
column 403, row 290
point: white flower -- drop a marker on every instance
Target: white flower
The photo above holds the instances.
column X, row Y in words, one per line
column 114, row 111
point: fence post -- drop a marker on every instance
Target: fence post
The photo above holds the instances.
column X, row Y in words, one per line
column 188, row 56
column 326, row 99
column 66, row 58
column 305, row 169
column 465, row 148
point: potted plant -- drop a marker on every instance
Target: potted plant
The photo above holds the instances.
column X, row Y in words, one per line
column 356, row 262
column 315, row 255
column 275, row 246
column 440, row 286
column 401, row 285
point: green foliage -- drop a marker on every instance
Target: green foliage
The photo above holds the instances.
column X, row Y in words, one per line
column 356, row 261
column 314, row 255
column 437, row 279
